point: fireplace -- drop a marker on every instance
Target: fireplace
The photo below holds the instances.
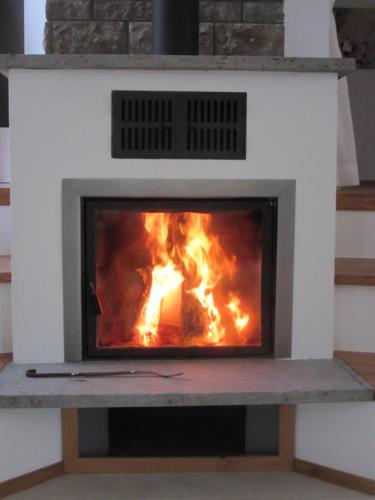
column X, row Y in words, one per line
column 178, row 277
column 177, row 268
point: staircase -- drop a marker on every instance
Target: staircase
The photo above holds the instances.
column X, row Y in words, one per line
column 355, row 270
column 5, row 272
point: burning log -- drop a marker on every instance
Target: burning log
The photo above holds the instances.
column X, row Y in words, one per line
column 194, row 318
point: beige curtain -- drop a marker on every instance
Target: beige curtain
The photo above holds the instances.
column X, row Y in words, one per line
column 347, row 166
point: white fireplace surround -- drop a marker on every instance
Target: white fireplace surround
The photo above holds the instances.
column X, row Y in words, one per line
column 61, row 129
column 74, row 190
column 64, row 132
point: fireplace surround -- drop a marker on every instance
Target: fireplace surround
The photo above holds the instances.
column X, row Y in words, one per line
column 291, row 153
column 105, row 228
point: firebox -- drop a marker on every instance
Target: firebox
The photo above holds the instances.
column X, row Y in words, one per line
column 169, row 277
column 177, row 267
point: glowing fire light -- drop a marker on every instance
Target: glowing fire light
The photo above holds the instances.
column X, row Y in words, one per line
column 164, row 281
column 240, row 319
column 187, row 260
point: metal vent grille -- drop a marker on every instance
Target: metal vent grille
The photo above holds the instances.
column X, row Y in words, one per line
column 213, row 127
column 178, row 125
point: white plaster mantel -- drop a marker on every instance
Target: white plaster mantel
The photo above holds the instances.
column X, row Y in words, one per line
column 156, row 62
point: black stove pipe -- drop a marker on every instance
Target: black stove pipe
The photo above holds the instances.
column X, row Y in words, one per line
column 175, row 27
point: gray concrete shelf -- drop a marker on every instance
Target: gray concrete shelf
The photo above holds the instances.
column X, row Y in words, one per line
column 155, row 62
column 204, row 382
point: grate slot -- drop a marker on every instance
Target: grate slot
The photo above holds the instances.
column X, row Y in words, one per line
column 178, row 125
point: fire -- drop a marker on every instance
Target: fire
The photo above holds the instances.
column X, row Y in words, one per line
column 240, row 319
column 164, row 281
column 190, row 278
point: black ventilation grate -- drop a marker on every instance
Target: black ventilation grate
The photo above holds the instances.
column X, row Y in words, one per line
column 178, row 125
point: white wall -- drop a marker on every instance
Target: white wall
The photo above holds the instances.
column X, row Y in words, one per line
column 340, row 436
column 30, row 439
column 34, row 19
column 307, row 26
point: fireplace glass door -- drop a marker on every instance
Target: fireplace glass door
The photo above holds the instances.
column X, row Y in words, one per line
column 178, row 277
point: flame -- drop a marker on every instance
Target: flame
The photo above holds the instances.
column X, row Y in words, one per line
column 240, row 319
column 164, row 281
column 187, row 256
column 201, row 256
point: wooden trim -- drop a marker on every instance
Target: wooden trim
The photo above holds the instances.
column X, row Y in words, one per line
column 357, row 198
column 177, row 465
column 351, row 481
column 5, row 358
column 69, row 435
column 25, row 481
column 357, row 272
column 5, row 269
column 74, row 464
column 287, row 431
column 4, row 195
column 361, row 362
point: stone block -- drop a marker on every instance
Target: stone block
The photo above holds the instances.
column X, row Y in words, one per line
column 122, row 10
column 140, row 38
column 263, row 12
column 89, row 37
column 61, row 10
column 249, row 39
column 206, row 39
column 228, row 11
column 47, row 38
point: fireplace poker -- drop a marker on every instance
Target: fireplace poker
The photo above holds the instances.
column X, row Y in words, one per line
column 32, row 373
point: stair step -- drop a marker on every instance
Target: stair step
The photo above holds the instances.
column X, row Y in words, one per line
column 354, row 318
column 5, row 358
column 357, row 197
column 361, row 362
column 5, row 272
column 350, row 271
column 355, row 234
column 4, row 195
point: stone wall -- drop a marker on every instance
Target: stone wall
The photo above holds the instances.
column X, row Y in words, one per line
column 234, row 27
column 356, row 31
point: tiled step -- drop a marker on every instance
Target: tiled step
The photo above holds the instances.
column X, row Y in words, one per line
column 5, row 231
column 5, row 318
column 5, row 358
column 354, row 318
column 355, row 234
column 353, row 271
column 4, row 195
column 5, row 272
column 361, row 362
column 356, row 198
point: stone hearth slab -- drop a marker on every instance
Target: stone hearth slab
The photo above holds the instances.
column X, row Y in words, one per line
column 204, row 382
column 156, row 62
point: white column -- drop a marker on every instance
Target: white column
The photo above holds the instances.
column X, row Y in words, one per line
column 307, row 27
column 34, row 20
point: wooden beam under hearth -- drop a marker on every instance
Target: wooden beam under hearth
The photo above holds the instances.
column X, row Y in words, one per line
column 74, row 464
